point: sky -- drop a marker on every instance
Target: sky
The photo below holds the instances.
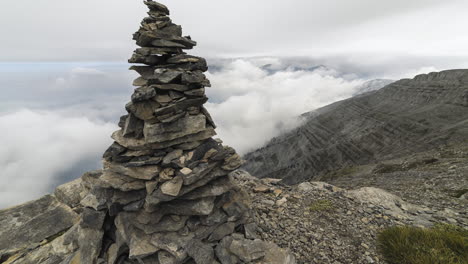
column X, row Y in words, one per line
column 65, row 81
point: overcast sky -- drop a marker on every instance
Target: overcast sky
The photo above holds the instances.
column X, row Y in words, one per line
column 62, row 30
column 64, row 77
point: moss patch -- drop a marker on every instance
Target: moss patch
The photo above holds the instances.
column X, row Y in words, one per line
column 321, row 205
column 445, row 244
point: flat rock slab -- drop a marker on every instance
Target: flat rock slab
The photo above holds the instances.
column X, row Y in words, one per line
column 30, row 223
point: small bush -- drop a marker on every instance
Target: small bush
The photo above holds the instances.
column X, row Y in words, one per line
column 321, row 205
column 441, row 244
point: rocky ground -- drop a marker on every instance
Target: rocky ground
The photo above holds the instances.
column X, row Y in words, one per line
column 437, row 179
column 320, row 223
column 323, row 223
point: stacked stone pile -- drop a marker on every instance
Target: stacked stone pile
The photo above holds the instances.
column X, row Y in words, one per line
column 165, row 194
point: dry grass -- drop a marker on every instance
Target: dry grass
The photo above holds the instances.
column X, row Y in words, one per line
column 442, row 244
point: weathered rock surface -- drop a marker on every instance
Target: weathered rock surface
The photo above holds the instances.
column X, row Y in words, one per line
column 27, row 226
column 407, row 116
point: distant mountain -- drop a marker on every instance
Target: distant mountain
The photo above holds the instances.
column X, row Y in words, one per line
column 404, row 117
column 372, row 85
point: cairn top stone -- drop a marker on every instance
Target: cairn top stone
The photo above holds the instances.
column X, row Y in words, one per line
column 155, row 6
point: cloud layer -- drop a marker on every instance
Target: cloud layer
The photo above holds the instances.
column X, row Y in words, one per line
column 56, row 119
column 251, row 103
column 37, row 147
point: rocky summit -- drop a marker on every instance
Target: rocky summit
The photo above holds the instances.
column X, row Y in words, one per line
column 165, row 194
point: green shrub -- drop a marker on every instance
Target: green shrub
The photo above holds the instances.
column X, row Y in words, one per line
column 441, row 244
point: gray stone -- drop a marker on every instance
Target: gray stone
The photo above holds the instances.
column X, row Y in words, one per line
column 209, row 119
column 143, row 110
column 95, row 201
column 180, row 106
column 134, row 206
column 232, row 163
column 223, row 254
column 202, row 253
column 172, row 156
column 172, row 187
column 122, row 121
column 202, row 206
column 28, row 224
column 183, row 58
column 139, row 144
column 171, row 118
column 140, row 81
column 90, row 241
column 165, row 76
column 195, row 92
column 140, row 245
column 92, row 219
column 169, row 223
column 143, row 93
column 165, row 257
column 248, row 250
column 198, row 173
column 277, row 255
column 196, row 77
column 144, row 161
column 142, row 173
column 125, row 198
column 214, row 188
column 305, row 187
column 63, row 247
column 147, row 51
column 169, row 87
column 121, row 182
column 174, row 243
column 250, row 231
column 149, row 260
column 166, row 44
column 133, row 127
column 157, row 196
column 215, row 218
column 155, row 6
column 70, row 193
column 175, row 95
column 163, row 99
column 114, row 150
column 156, row 133
column 221, row 231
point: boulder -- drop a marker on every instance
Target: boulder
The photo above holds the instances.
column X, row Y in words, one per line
column 27, row 225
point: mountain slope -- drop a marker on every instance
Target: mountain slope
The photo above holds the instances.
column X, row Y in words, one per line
column 404, row 117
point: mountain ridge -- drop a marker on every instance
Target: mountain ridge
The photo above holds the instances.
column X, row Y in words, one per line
column 409, row 115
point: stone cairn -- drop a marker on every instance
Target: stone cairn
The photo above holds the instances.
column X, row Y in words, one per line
column 165, row 194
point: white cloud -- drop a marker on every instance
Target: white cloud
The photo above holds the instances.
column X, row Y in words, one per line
column 252, row 105
column 37, row 147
